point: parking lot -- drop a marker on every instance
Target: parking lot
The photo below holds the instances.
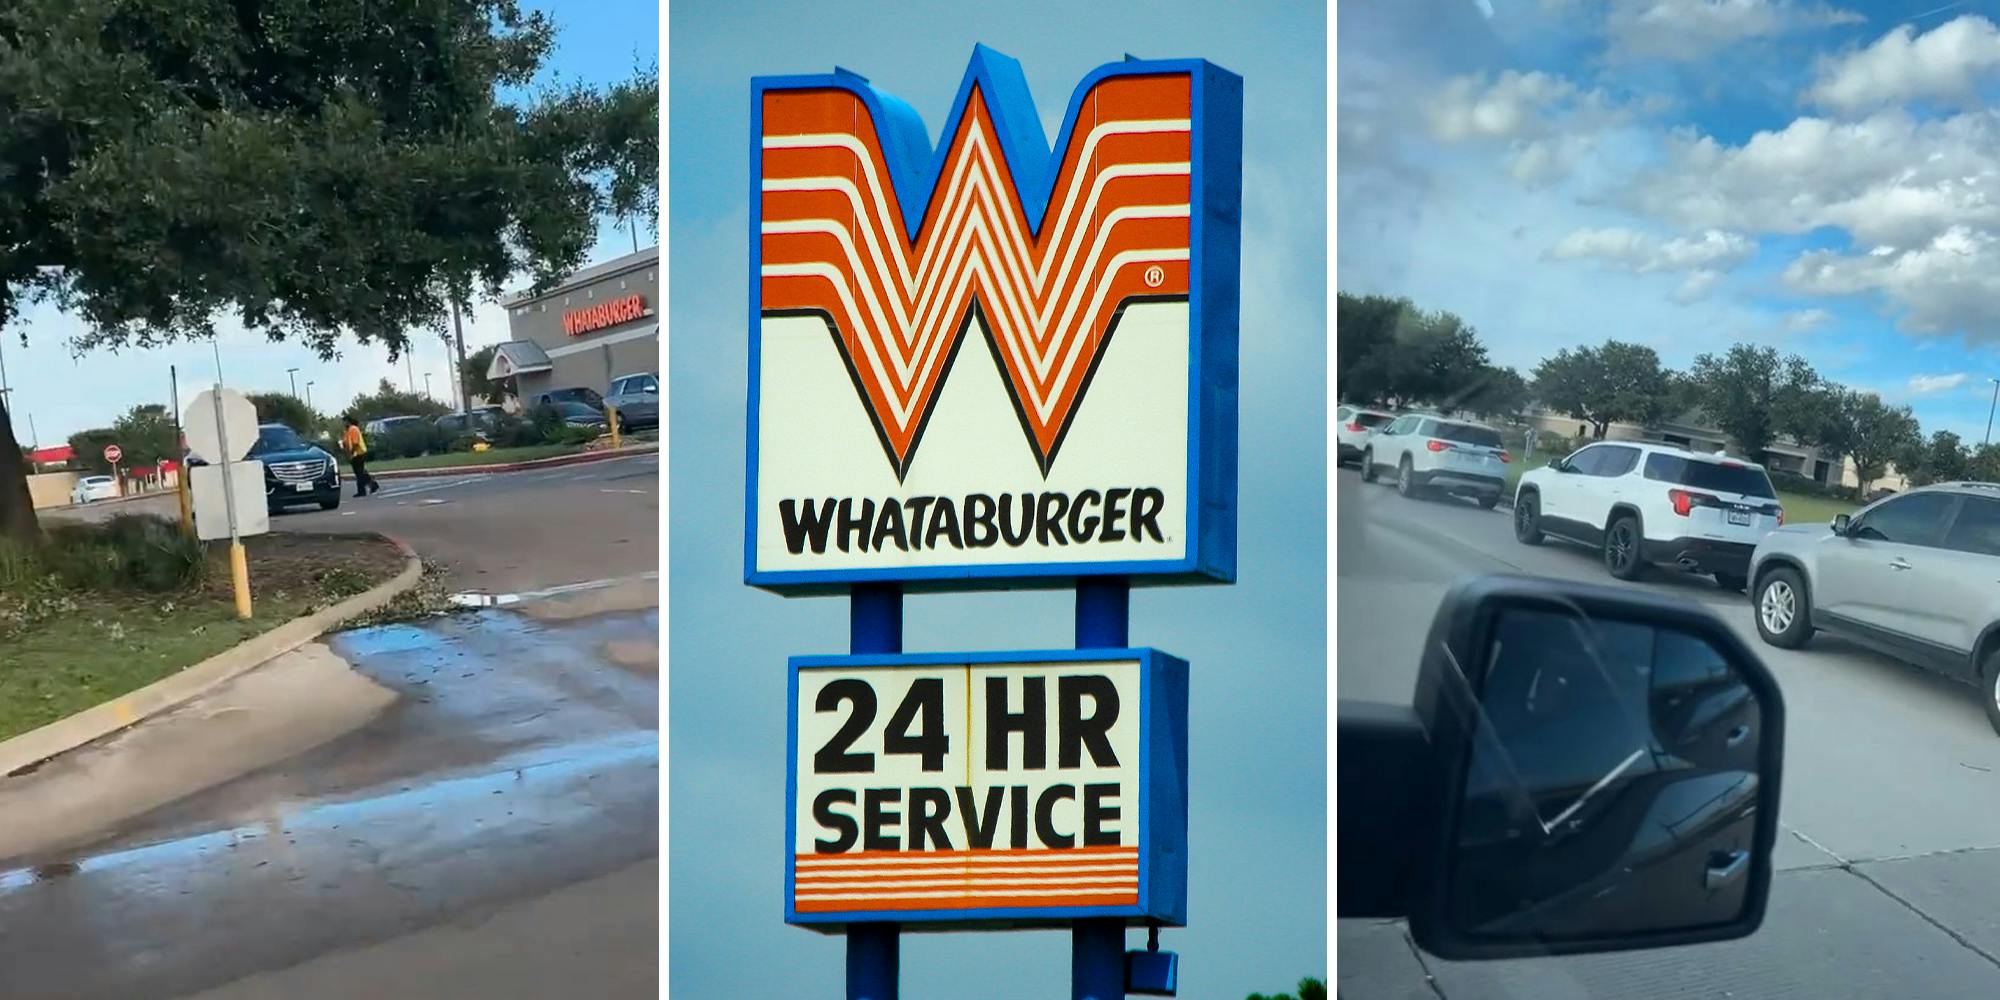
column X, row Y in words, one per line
column 1889, row 841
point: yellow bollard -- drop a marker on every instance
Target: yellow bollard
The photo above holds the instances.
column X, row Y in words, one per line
column 186, row 499
column 611, row 415
column 239, row 575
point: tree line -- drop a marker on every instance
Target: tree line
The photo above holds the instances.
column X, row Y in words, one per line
column 1394, row 354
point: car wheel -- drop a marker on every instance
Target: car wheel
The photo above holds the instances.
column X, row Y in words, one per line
column 1368, row 466
column 1992, row 688
column 1733, row 582
column 1621, row 549
column 1784, row 613
column 1528, row 519
column 1406, row 479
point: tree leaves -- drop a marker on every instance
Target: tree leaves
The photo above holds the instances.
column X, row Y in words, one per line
column 1615, row 383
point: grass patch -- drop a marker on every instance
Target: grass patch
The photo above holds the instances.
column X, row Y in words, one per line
column 95, row 612
column 1802, row 509
column 494, row 456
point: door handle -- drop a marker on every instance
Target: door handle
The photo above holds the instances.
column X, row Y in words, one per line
column 1725, row 867
column 1899, row 563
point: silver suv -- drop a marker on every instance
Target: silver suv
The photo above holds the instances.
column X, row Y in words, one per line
column 1915, row 576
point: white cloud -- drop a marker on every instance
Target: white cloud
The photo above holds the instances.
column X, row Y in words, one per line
column 1948, row 61
column 1547, row 122
column 1925, row 385
column 1690, row 30
column 1949, row 285
column 1806, row 320
column 1705, row 257
column 1888, row 179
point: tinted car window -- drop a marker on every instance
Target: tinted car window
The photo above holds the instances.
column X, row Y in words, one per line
column 277, row 439
column 1720, row 477
column 1364, row 419
column 574, row 409
column 1615, row 461
column 1585, row 461
column 1910, row 520
column 1976, row 528
column 1468, row 434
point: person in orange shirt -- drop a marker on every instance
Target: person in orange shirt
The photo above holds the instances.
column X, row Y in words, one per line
column 356, row 447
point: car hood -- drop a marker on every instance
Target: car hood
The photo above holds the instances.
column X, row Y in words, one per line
column 292, row 455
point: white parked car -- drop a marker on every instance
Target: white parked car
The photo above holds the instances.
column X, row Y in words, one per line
column 1646, row 504
column 1356, row 425
column 1430, row 454
column 91, row 488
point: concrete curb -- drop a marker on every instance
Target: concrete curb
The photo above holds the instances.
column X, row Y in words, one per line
column 580, row 458
column 24, row 752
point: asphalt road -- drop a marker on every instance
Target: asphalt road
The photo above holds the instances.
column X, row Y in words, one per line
column 492, row 834
column 492, row 532
column 1889, row 843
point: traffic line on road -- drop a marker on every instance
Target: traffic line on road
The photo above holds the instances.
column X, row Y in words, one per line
column 389, row 493
column 476, row 599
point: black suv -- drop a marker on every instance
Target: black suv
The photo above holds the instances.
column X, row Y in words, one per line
column 295, row 471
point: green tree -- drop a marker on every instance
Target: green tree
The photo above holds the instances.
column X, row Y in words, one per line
column 1495, row 393
column 1877, row 435
column 285, row 408
column 1985, row 464
column 389, row 401
column 1614, row 383
column 1391, row 353
column 1308, row 989
column 477, row 386
column 144, row 435
column 318, row 169
column 1942, row 459
column 1752, row 394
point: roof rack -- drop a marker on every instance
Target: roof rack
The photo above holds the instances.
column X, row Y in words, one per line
column 1971, row 484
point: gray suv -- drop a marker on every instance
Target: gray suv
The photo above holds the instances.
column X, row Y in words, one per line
column 1915, row 576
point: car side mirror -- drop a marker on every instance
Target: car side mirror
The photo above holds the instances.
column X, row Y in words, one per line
column 1558, row 464
column 1606, row 771
column 1841, row 524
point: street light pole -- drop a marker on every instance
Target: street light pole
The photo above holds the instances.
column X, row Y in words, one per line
column 309, row 394
column 458, row 332
column 1989, row 409
column 293, row 374
column 427, row 385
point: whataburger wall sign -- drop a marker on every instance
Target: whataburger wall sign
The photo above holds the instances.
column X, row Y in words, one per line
column 994, row 359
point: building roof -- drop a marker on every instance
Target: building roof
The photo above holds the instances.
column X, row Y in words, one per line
column 52, row 455
column 517, row 357
column 627, row 262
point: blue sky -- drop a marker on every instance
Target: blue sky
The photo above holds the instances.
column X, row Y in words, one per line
column 599, row 42
column 1258, row 649
column 1823, row 177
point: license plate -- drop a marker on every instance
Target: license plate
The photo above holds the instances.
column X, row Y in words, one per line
column 1739, row 517
column 303, row 487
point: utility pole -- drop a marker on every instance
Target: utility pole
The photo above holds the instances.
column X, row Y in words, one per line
column 309, row 395
column 33, row 434
column 1989, row 409
column 293, row 374
column 427, row 385
column 409, row 358
column 458, row 332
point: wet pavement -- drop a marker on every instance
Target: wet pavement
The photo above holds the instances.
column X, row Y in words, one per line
column 521, row 757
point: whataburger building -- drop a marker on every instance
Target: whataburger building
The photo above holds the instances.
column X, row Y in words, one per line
column 597, row 325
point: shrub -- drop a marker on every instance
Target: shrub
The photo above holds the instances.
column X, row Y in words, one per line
column 128, row 552
column 411, row 440
column 567, row 434
column 514, row 432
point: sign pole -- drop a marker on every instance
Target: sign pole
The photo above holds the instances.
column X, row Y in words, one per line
column 1097, row 945
column 874, row 625
column 239, row 567
column 181, row 463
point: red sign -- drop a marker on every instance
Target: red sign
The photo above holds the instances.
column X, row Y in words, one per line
column 578, row 322
column 112, row 453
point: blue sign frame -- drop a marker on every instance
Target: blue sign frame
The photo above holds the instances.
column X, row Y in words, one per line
column 1163, row 791
column 1213, row 299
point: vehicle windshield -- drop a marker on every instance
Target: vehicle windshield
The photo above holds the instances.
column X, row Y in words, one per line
column 277, row 438
column 1721, row 477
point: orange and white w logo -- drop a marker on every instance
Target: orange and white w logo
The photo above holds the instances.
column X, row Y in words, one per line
column 834, row 243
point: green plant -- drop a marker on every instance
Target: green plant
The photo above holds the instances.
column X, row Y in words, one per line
column 1308, row 989
column 129, row 552
column 571, row 434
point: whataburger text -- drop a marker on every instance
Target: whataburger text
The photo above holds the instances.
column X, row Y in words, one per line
column 972, row 521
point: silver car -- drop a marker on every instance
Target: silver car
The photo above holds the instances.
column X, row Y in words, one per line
column 637, row 398
column 1915, row 575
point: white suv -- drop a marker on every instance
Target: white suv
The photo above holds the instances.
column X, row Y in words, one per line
column 1357, row 424
column 1650, row 504
column 1432, row 454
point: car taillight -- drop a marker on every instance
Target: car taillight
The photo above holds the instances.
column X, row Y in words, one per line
column 1356, row 427
column 1436, row 445
column 1685, row 502
column 1505, row 458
